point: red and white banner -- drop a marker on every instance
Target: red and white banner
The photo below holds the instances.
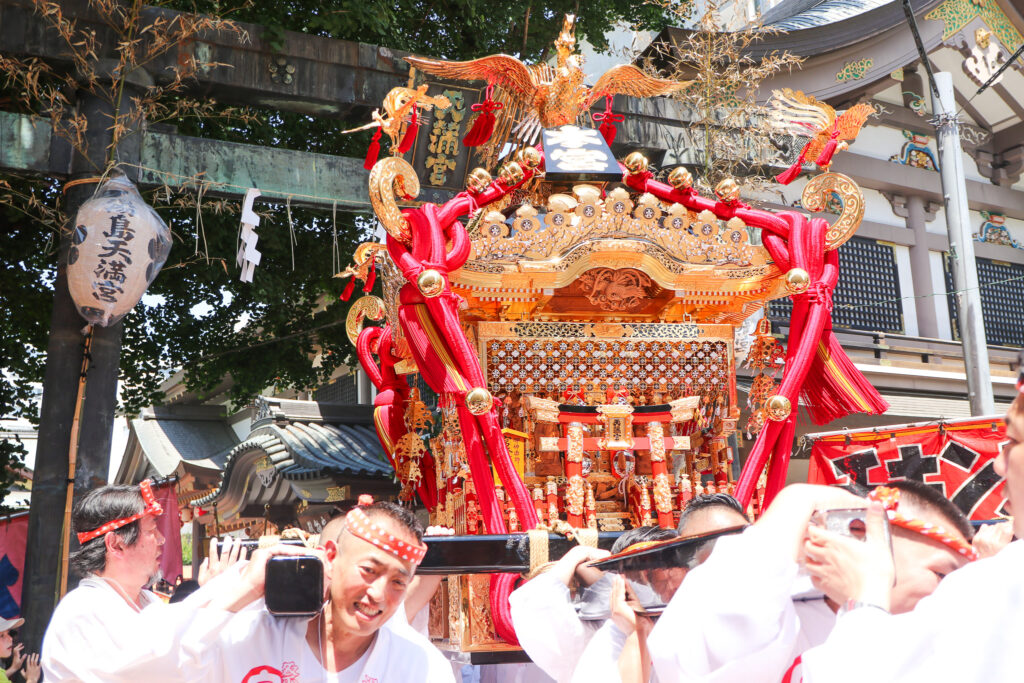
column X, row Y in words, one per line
column 957, row 457
column 13, row 535
column 169, row 525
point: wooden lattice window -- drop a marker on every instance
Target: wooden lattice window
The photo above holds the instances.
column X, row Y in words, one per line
column 1002, row 301
column 867, row 296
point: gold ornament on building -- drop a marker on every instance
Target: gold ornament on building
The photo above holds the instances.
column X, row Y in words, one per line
column 636, row 163
column 478, row 180
column 511, row 173
column 797, row 281
column 430, row 283
column 479, row 401
column 728, row 190
column 779, row 408
column 680, row 178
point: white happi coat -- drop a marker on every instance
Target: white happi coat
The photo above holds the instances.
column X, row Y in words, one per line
column 741, row 616
column 254, row 646
column 91, row 627
column 548, row 627
column 600, row 660
column 970, row 629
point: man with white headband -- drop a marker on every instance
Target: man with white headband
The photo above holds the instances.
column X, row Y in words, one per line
column 966, row 631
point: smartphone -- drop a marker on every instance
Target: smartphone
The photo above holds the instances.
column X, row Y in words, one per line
column 294, row 585
column 850, row 522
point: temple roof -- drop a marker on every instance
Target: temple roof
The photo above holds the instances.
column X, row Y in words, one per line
column 164, row 437
column 300, row 450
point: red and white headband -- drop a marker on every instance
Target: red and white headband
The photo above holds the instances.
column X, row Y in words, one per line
column 890, row 500
column 152, row 508
column 359, row 525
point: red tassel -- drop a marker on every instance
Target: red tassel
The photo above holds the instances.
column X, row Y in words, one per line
column 373, row 152
column 349, row 288
column 482, row 128
column 608, row 131
column 608, row 119
column 825, row 158
column 410, row 132
column 790, row 174
column 371, row 278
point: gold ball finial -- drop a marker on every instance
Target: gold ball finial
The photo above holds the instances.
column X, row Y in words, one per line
column 728, row 190
column 636, row 163
column 680, row 178
column 528, row 157
column 431, row 283
column 478, row 180
column 479, row 401
column 511, row 174
column 797, row 281
column 778, row 408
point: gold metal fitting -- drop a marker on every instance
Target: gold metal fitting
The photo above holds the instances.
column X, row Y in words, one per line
column 511, row 173
column 797, row 281
column 528, row 157
column 680, row 178
column 431, row 283
column 479, row 401
column 728, row 190
column 636, row 163
column 478, row 180
column 778, row 408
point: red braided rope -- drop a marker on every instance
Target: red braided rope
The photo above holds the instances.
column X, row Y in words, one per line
column 890, row 499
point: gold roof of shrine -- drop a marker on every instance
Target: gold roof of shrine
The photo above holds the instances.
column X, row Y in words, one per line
column 623, row 257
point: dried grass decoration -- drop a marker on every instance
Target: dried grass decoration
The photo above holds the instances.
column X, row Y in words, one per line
column 118, row 246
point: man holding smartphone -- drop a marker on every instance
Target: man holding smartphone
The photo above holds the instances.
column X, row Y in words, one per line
column 966, row 631
column 758, row 610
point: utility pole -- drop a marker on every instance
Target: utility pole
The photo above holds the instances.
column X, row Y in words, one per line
column 961, row 247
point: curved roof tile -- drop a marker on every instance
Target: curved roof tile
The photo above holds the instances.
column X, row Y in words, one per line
column 307, row 450
column 823, row 12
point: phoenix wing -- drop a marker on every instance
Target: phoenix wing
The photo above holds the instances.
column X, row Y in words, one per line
column 500, row 70
column 798, row 114
column 852, row 119
column 626, row 79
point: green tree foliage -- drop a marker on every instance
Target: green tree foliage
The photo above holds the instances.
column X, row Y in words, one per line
column 458, row 29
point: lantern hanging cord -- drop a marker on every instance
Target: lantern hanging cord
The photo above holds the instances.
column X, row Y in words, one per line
column 81, row 181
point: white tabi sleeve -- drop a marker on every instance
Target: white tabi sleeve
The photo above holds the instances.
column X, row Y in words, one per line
column 600, row 659
column 548, row 627
column 733, row 617
column 968, row 630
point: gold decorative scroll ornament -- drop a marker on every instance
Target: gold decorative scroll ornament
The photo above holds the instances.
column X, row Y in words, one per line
column 371, row 307
column 816, row 194
column 390, row 177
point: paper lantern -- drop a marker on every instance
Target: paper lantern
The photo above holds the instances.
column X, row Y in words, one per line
column 118, row 246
